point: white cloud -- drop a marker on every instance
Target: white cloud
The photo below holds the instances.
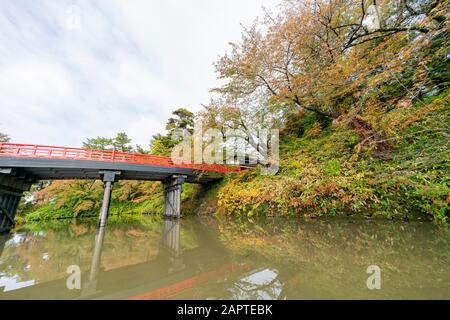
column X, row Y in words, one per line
column 125, row 68
column 28, row 84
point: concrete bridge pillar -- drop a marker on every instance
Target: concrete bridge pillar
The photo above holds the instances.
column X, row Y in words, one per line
column 173, row 186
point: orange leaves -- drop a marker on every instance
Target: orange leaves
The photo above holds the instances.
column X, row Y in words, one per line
column 314, row 131
column 329, row 188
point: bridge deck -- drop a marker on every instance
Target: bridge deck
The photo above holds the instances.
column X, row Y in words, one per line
column 48, row 162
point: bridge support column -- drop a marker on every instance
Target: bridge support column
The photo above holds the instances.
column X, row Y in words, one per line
column 172, row 196
column 12, row 187
column 9, row 202
column 109, row 177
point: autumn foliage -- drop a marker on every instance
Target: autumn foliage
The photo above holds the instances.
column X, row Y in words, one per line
column 360, row 90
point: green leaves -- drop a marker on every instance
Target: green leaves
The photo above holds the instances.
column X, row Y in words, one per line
column 162, row 144
column 4, row 137
column 184, row 119
column 333, row 168
column 120, row 143
column 99, row 143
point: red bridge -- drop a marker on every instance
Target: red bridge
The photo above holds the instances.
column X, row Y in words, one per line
column 51, row 152
column 21, row 165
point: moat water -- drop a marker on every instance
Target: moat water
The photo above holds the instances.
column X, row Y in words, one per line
column 208, row 258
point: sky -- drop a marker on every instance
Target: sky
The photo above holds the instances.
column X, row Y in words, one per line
column 71, row 70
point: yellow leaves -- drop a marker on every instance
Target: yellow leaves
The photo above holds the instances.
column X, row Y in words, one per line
column 422, row 112
column 46, row 194
column 314, row 131
column 304, row 187
column 83, row 206
column 135, row 233
column 78, row 229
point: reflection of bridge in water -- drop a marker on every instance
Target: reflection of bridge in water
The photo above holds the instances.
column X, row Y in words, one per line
column 205, row 258
column 175, row 271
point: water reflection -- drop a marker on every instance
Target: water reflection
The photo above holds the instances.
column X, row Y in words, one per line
column 260, row 284
column 90, row 286
column 170, row 250
column 171, row 244
column 201, row 258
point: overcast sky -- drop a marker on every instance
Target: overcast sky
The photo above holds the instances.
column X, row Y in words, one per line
column 70, row 70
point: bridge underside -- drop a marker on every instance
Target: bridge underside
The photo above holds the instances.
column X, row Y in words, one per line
column 54, row 169
column 17, row 174
column 11, row 191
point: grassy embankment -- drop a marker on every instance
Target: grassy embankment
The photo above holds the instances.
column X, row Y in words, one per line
column 326, row 170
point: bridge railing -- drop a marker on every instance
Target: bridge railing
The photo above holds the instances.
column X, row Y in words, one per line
column 8, row 149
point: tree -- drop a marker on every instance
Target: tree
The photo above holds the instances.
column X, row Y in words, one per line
column 309, row 55
column 99, row 143
column 184, row 120
column 139, row 149
column 161, row 144
column 4, row 137
column 243, row 123
column 122, row 143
